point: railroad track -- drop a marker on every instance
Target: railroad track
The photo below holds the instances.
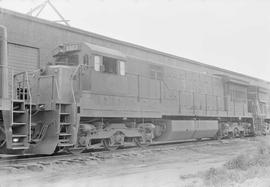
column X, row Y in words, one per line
column 100, row 154
column 16, row 160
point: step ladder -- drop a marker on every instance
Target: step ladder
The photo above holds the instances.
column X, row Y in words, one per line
column 65, row 123
column 19, row 129
column 17, row 120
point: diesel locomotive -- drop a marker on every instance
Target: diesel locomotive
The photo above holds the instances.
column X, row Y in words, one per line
column 93, row 96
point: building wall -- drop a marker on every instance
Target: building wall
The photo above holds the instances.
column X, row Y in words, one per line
column 45, row 36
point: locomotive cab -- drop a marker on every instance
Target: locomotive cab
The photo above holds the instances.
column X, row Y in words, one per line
column 100, row 59
column 89, row 67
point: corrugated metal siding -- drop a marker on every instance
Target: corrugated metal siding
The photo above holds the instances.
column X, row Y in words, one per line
column 22, row 58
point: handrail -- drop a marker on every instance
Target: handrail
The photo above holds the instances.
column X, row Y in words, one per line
column 12, row 87
column 72, row 90
column 20, row 73
column 30, row 105
column 57, row 89
column 71, row 82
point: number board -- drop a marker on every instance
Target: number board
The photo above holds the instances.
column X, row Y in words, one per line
column 72, row 47
column 66, row 48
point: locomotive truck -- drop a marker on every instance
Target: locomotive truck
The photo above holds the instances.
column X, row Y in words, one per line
column 94, row 96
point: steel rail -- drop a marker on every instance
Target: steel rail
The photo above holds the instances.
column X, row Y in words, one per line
column 23, row 159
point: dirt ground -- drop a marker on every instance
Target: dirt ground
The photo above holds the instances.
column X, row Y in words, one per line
column 176, row 165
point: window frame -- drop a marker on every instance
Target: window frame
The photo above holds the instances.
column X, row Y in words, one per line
column 115, row 65
column 119, row 63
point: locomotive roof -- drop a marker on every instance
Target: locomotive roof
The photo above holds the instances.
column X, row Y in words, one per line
column 105, row 51
column 98, row 36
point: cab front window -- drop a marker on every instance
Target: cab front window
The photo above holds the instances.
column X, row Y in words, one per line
column 67, row 59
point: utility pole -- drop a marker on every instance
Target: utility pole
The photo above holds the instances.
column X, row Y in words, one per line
column 38, row 9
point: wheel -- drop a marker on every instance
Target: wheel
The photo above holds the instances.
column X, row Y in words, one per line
column 2, row 137
column 146, row 131
column 108, row 145
column 85, row 141
column 114, row 142
column 217, row 136
column 236, row 132
column 141, row 143
column 225, row 134
column 242, row 134
column 230, row 135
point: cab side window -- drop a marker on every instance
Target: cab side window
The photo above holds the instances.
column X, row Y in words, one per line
column 109, row 65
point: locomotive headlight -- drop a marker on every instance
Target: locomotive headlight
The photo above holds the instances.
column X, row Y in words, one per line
column 15, row 140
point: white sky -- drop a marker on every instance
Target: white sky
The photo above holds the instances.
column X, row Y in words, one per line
column 231, row 34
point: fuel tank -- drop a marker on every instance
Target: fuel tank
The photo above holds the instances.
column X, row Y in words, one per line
column 188, row 129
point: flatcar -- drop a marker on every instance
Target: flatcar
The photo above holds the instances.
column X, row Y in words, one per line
column 95, row 96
